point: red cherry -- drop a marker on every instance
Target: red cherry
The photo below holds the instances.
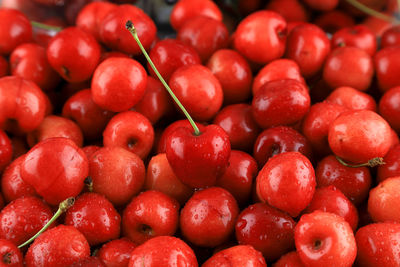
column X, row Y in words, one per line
column 290, row 259
column 114, row 35
column 117, row 174
column 199, row 91
column 56, row 168
column 291, row 10
column 74, row 54
column 6, row 150
column 148, row 215
column 308, row 46
column 389, row 107
column 170, row 54
column 326, row 5
column 4, row 69
column 61, row 245
column 352, row 98
column 118, row 84
column 334, row 20
column 131, row 131
column 261, row 36
column 183, row 10
column 237, row 121
column 198, row 160
column 377, row 245
column 358, row 36
column 95, row 217
column 391, row 167
column 9, row 253
column 387, row 60
column 241, row 255
column 268, row 230
column 391, row 37
column 163, row 251
column 234, row 73
column 377, row 25
column 116, row 253
column 208, row 217
column 15, row 30
column 360, row 135
column 325, row 239
column 287, row 182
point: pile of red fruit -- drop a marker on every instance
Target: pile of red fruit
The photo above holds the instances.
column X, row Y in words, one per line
column 289, row 155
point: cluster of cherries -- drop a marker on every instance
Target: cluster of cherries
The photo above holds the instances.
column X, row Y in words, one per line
column 289, row 154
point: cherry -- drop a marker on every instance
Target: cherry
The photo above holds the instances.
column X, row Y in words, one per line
column 74, row 54
column 148, row 215
column 163, row 251
column 261, row 36
column 287, row 182
column 290, row 259
column 391, row 167
column 208, row 217
column 268, row 230
column 10, row 254
column 183, row 10
column 334, row 20
column 358, row 36
column 352, row 98
column 117, row 174
column 61, row 245
column 386, row 61
column 308, row 46
column 322, row 6
column 6, row 150
column 389, row 107
column 15, row 30
column 4, row 68
column 325, row 239
column 291, row 10
column 391, row 37
column 233, row 72
column 116, row 253
column 241, row 255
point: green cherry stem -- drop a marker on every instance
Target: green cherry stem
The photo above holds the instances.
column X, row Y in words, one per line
column 129, row 26
column 372, row 12
column 62, row 207
column 371, row 163
column 45, row 26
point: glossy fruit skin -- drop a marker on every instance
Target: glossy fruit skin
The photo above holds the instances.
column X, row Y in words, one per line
column 391, row 37
column 6, row 150
column 386, row 61
column 23, row 101
column 325, row 239
column 377, row 245
column 208, row 217
column 308, row 46
column 348, row 66
column 74, row 54
column 290, row 259
column 233, row 72
column 169, row 55
column 29, row 61
column 383, row 201
column 59, row 246
column 90, row 118
column 183, row 11
column 163, row 251
column 205, row 34
column 116, row 253
column 236, row 256
column 351, row 98
column 95, row 217
column 117, row 174
column 354, row 183
column 115, row 36
column 358, row 36
column 15, row 30
column 267, row 229
column 56, row 168
column 23, row 218
column 281, row 102
column 287, row 182
column 392, row 166
column 148, row 215
column 118, row 84
column 11, row 256
column 237, row 121
column 358, row 136
column 198, row 161
column 258, row 43
column 279, row 139
column 199, row 91
column 131, row 131
column 389, row 107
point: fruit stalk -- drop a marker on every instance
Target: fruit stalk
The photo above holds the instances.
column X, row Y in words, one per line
column 372, row 12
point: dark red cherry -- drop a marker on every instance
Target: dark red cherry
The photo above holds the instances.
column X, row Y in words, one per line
column 116, row 253
column 6, row 150
column 10, row 255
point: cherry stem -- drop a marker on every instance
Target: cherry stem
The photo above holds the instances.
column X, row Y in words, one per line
column 371, row 163
column 45, row 26
column 129, row 26
column 372, row 12
column 62, row 207
column 398, row 5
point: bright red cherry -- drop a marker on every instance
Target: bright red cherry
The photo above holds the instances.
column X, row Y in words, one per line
column 290, row 259
column 387, row 60
column 56, row 168
column 325, row 239
column 391, row 37
column 291, row 10
column 267, row 229
column 116, row 253
column 9, row 253
column 261, row 36
column 389, row 107
column 118, row 84
column 236, row 256
column 287, row 182
column 352, row 98
column 6, row 150
column 74, row 54
column 208, row 217
column 15, row 30
column 358, row 36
